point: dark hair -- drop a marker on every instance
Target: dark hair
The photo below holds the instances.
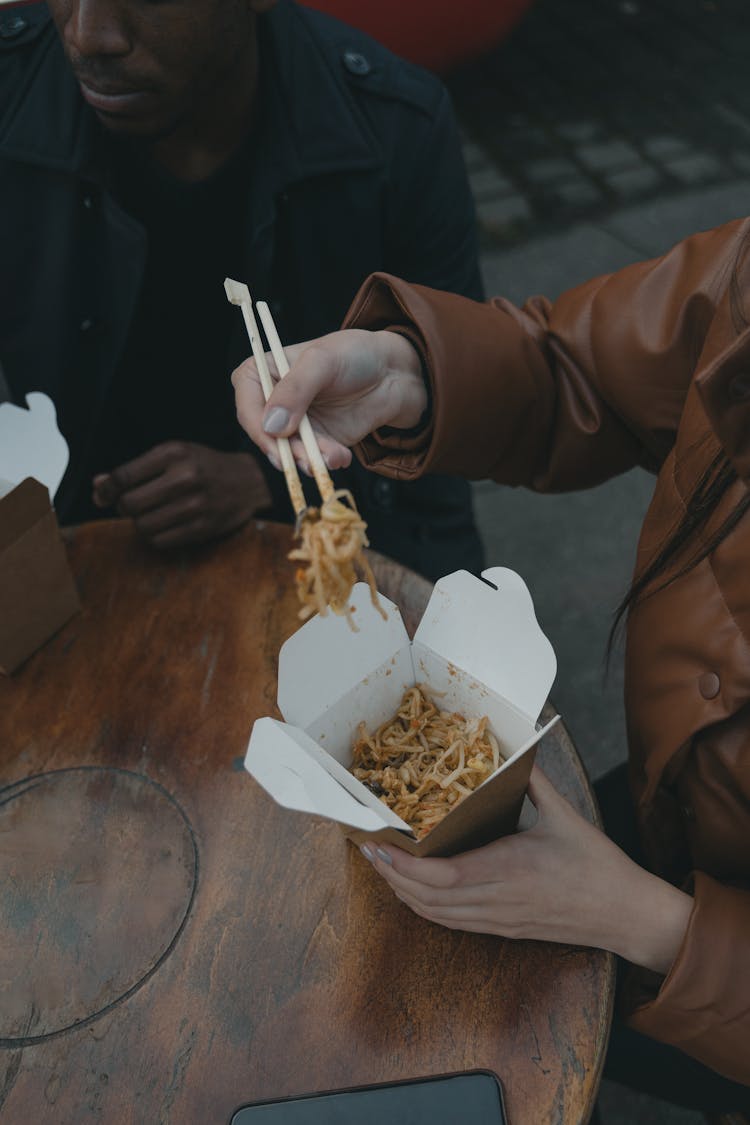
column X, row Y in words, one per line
column 714, row 482
column 717, row 478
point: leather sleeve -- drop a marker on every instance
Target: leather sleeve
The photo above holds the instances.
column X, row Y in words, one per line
column 703, row 1004
column 559, row 395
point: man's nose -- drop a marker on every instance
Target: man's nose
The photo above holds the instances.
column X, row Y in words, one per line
column 97, row 28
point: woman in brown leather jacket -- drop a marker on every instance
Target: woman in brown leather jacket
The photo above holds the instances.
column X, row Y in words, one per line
column 649, row 366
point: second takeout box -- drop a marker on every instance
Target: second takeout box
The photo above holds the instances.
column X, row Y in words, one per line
column 478, row 650
column 37, row 591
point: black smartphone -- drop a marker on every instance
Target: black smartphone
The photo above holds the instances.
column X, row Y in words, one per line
column 474, row 1097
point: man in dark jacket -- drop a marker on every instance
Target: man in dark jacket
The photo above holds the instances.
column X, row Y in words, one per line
column 146, row 152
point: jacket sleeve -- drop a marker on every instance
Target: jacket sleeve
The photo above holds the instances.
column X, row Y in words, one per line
column 556, row 396
column 703, row 1004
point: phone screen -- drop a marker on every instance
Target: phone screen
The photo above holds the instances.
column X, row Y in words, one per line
column 474, row 1098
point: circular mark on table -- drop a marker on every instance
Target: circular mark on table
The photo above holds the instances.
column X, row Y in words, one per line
column 98, row 868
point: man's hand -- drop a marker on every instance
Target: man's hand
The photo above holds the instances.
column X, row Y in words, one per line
column 349, row 383
column 562, row 880
column 181, row 493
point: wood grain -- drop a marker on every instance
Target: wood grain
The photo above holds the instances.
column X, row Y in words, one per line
column 261, row 956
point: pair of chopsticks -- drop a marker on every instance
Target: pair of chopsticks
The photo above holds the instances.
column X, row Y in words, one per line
column 239, row 294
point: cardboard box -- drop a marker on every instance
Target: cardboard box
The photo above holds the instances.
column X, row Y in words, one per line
column 478, row 649
column 37, row 592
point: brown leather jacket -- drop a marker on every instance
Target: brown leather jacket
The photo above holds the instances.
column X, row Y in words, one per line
column 649, row 366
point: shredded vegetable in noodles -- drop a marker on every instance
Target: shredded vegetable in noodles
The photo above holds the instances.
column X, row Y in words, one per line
column 423, row 761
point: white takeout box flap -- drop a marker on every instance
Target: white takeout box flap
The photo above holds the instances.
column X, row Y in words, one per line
column 287, row 763
column 31, row 445
column 478, row 649
column 491, row 633
column 325, row 658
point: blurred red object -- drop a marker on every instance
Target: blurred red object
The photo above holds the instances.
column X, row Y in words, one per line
column 437, row 34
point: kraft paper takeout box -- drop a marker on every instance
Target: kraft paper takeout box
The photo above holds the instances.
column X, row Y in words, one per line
column 478, row 649
column 37, row 592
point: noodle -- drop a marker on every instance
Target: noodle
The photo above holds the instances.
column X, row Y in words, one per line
column 332, row 545
column 422, row 762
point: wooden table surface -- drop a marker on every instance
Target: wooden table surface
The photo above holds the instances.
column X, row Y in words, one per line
column 172, row 943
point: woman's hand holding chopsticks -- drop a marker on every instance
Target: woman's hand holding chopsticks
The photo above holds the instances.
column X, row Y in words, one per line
column 349, row 383
column 332, row 537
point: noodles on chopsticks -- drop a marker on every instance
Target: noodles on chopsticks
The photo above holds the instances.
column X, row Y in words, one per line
column 333, row 539
column 423, row 762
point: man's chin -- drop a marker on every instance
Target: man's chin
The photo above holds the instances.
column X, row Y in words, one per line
column 151, row 128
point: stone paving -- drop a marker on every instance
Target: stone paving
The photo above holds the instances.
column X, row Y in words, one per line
column 592, row 105
column 599, row 133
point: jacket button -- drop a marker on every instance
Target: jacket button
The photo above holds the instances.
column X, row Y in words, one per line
column 688, row 812
column 709, row 685
column 382, row 494
column 356, row 63
column 739, row 387
column 87, row 324
column 12, row 26
column 88, row 202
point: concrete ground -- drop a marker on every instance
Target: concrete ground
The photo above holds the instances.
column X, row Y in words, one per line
column 598, row 134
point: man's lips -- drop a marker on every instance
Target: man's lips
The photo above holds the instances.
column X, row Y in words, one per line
column 112, row 99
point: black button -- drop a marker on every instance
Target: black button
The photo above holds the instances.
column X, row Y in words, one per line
column 88, row 201
column 12, row 26
column 356, row 63
column 87, row 324
column 382, row 494
column 739, row 387
column 688, row 812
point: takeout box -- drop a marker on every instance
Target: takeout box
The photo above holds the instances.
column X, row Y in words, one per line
column 37, row 592
column 478, row 650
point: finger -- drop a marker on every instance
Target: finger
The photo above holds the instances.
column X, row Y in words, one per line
column 335, row 455
column 251, row 409
column 312, row 370
column 182, row 535
column 250, row 403
column 432, row 882
column 144, row 468
column 409, row 870
column 154, row 496
column 545, row 798
column 104, row 491
column 474, row 868
column 168, row 517
column 461, row 899
column 472, row 919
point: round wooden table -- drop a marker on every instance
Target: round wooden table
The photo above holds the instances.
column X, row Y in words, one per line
column 172, row 943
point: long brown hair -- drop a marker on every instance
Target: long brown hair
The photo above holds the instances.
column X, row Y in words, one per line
column 714, row 482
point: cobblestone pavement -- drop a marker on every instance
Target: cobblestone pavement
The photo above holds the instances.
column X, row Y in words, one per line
column 592, row 105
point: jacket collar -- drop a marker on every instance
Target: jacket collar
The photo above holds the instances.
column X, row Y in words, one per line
column 311, row 125
column 47, row 123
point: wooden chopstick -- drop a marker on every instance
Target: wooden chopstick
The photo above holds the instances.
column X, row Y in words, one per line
column 306, row 432
column 239, row 294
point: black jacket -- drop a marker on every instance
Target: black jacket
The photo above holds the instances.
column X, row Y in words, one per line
column 361, row 171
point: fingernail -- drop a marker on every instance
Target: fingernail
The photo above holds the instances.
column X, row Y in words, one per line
column 274, row 461
column 367, row 853
column 382, row 854
column 276, row 420
column 106, row 492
